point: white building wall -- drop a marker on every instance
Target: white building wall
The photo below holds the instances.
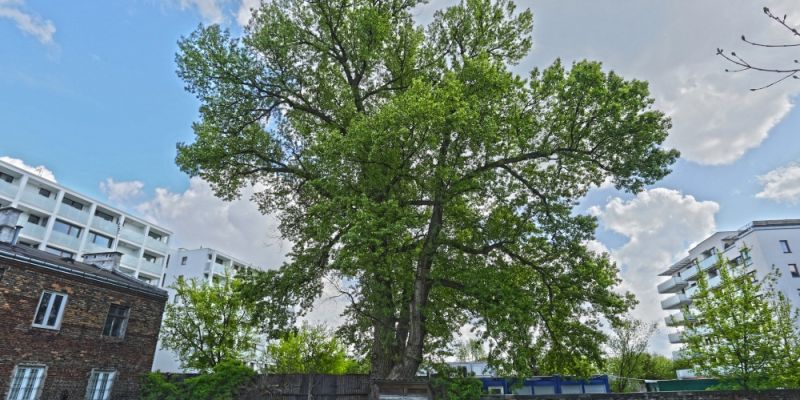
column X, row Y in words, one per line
column 762, row 238
column 49, row 209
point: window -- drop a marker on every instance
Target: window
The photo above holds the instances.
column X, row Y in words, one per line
column 105, row 216
column 59, row 252
column 793, row 270
column 785, row 246
column 50, row 310
column 219, row 261
column 209, row 256
column 116, row 321
column 67, row 228
column 26, row 382
column 44, row 192
column 145, row 279
column 101, row 240
column 100, row 384
column 149, row 257
column 72, row 203
column 6, row 177
column 2, row 272
column 183, row 260
column 154, row 235
column 495, row 389
column 37, row 220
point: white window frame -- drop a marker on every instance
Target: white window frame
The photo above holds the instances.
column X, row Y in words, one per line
column 49, row 310
column 102, row 392
column 33, row 391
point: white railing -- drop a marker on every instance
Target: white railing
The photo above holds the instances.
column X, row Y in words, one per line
column 151, row 268
column 156, row 245
column 39, row 201
column 64, row 240
column 131, row 235
column 8, row 189
column 672, row 285
column 79, row 216
column 95, row 248
column 33, row 230
column 129, row 261
column 674, row 302
column 105, row 226
column 676, row 337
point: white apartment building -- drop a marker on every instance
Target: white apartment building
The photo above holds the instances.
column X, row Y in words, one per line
column 69, row 224
column 202, row 265
column 769, row 243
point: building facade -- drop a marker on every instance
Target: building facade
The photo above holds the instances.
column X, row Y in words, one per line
column 70, row 329
column 203, row 265
column 66, row 223
column 768, row 243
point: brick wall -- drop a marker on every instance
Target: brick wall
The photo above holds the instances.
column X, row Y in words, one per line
column 73, row 351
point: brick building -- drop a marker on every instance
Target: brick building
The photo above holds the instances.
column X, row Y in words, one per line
column 70, row 329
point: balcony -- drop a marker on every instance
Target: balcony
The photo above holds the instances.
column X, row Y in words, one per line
column 151, row 268
column 156, row 245
column 95, row 248
column 38, row 201
column 678, row 319
column 33, row 231
column 8, row 190
column 672, row 285
column 79, row 216
column 675, row 302
column 131, row 235
column 63, row 240
column 105, row 226
column 129, row 261
column 676, row 337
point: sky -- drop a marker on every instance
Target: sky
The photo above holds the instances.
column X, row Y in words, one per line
column 89, row 94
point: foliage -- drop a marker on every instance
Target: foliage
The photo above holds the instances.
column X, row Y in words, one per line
column 409, row 166
column 208, row 323
column 658, row 367
column 745, row 333
column 455, row 384
column 309, row 350
column 648, row 366
column 470, row 350
column 223, row 383
column 628, row 345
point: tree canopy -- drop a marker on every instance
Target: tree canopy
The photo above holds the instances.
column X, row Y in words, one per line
column 309, row 350
column 744, row 331
column 412, row 168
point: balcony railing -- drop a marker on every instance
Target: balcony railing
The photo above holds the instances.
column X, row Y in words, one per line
column 38, row 201
column 678, row 319
column 79, row 216
column 130, row 261
column 33, row 231
column 672, row 285
column 676, row 337
column 95, row 248
column 131, row 235
column 8, row 190
column 675, row 302
column 105, row 226
column 152, row 268
column 156, row 245
column 63, row 240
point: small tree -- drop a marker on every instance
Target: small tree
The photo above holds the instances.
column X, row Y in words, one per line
column 745, row 332
column 470, row 350
column 628, row 345
column 208, row 324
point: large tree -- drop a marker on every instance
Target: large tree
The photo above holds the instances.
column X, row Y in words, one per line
column 410, row 166
column 745, row 332
column 628, row 349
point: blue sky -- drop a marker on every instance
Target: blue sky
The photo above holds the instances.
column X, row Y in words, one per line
column 89, row 90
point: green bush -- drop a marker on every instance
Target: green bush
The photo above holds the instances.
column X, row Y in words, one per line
column 221, row 384
column 455, row 384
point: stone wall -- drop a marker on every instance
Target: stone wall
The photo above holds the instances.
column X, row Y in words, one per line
column 71, row 352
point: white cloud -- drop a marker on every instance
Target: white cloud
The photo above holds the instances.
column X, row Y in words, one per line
column 123, row 191
column 246, row 11
column 198, row 218
column 39, row 170
column 210, row 10
column 31, row 24
column 660, row 225
column 781, row 184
